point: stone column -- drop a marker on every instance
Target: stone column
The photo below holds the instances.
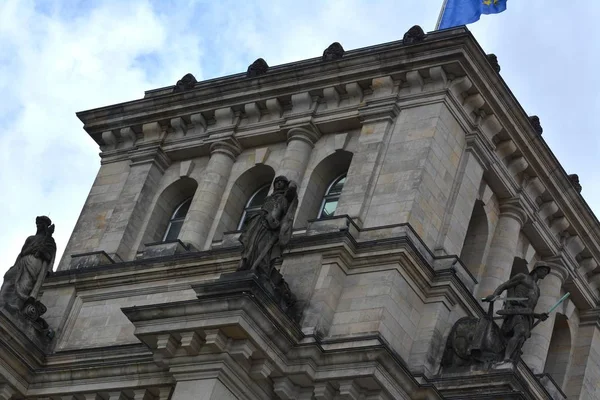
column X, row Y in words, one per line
column 535, row 350
column 503, row 248
column 301, row 141
column 584, row 373
column 206, row 200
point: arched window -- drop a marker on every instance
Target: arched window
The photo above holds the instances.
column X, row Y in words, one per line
column 332, row 196
column 253, row 205
column 176, row 221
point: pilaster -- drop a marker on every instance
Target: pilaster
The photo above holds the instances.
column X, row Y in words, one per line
column 377, row 118
column 147, row 165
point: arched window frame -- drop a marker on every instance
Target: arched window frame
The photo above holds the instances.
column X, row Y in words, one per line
column 329, row 196
column 175, row 218
column 248, row 208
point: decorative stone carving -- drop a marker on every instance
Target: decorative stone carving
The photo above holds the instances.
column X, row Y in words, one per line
column 480, row 341
column 22, row 282
column 265, row 236
column 414, row 35
column 574, row 178
column 257, row 68
column 493, row 60
column 335, row 51
column 534, row 120
column 186, row 83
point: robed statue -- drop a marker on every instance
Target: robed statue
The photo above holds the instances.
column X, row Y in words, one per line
column 22, row 282
column 268, row 231
column 481, row 341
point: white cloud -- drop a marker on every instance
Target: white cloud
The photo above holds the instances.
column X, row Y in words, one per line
column 53, row 68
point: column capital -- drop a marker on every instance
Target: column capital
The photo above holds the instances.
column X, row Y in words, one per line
column 306, row 132
column 382, row 110
column 228, row 146
column 514, row 208
column 149, row 154
column 558, row 267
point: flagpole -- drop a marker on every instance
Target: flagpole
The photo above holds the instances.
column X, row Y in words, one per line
column 439, row 21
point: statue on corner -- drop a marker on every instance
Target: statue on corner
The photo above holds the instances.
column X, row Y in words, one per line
column 269, row 231
column 22, row 282
column 481, row 341
column 265, row 236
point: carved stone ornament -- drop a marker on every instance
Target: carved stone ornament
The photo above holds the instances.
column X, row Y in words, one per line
column 574, row 178
column 493, row 60
column 257, row 68
column 186, row 83
column 414, row 35
column 22, row 282
column 265, row 236
column 480, row 341
column 534, row 120
column 335, row 51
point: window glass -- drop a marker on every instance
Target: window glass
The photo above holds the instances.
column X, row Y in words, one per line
column 332, row 196
column 253, row 205
column 176, row 221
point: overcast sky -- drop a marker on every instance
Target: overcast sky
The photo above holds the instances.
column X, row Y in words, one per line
column 60, row 57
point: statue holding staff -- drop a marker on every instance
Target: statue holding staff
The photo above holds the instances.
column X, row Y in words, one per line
column 269, row 231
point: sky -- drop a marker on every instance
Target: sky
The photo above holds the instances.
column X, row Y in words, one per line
column 60, row 57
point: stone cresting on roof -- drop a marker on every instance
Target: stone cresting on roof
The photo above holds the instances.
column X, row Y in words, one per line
column 534, row 120
column 493, row 60
column 257, row 68
column 186, row 83
column 335, row 51
column 414, row 35
column 574, row 178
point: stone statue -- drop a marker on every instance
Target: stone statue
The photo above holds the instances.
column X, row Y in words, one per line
column 22, row 282
column 335, row 51
column 257, row 68
column 493, row 60
column 482, row 341
column 414, row 35
column 519, row 314
column 534, row 120
column 574, row 178
column 186, row 83
column 270, row 230
column 264, row 238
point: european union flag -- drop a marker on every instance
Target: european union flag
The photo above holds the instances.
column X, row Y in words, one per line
column 462, row 12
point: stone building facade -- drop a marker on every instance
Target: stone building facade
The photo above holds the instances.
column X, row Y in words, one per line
column 422, row 186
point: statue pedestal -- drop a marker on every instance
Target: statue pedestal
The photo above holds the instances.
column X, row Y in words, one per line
column 24, row 331
column 271, row 291
column 497, row 381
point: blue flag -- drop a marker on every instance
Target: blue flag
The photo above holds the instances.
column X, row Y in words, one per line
column 463, row 12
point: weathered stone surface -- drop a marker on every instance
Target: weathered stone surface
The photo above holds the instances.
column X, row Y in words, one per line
column 493, row 60
column 186, row 83
column 335, row 51
column 534, row 120
column 414, row 35
column 257, row 68
column 574, row 178
column 89, row 260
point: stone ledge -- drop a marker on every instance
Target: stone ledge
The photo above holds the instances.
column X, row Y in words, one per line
column 332, row 224
column 503, row 381
column 164, row 249
column 89, row 260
